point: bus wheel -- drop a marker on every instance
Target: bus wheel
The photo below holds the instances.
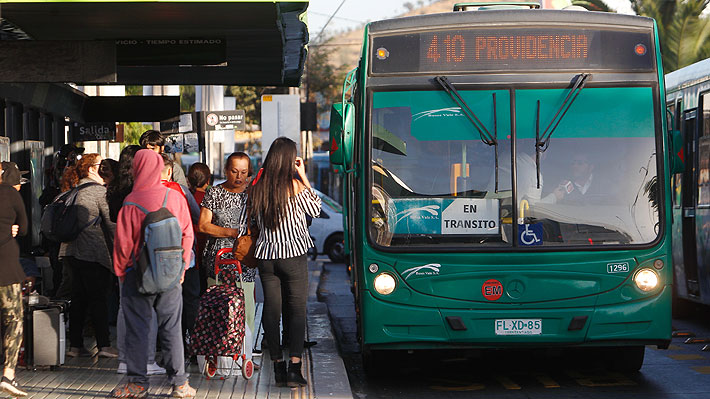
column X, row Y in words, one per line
column 627, row 359
column 372, row 363
column 335, row 248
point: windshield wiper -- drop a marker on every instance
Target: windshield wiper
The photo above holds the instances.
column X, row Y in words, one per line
column 486, row 137
column 542, row 142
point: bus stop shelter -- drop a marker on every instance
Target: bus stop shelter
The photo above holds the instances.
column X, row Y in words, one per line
column 48, row 47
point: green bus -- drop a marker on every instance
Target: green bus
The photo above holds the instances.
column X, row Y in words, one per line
column 505, row 183
column 688, row 100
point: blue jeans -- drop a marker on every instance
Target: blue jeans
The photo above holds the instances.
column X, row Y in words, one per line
column 137, row 311
column 121, row 333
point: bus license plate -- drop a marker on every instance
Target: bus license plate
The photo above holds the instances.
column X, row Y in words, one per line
column 518, row 326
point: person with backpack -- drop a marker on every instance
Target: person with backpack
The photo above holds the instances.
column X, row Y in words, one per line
column 279, row 200
column 154, row 237
column 87, row 254
column 116, row 191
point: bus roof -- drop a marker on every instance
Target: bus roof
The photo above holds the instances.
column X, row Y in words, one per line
column 688, row 76
column 512, row 16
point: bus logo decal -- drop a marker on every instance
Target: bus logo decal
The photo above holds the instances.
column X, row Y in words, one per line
column 431, row 209
column 437, row 113
column 492, row 289
column 431, row 269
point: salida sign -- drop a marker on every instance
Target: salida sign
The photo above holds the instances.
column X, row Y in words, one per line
column 93, row 131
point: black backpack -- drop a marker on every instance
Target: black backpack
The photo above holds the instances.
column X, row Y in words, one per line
column 59, row 220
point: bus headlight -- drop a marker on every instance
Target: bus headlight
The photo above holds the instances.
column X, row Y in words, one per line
column 385, row 283
column 646, row 279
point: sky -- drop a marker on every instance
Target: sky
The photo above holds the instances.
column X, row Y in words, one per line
column 356, row 12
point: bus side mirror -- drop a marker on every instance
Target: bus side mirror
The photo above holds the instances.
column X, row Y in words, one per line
column 677, row 162
column 341, row 134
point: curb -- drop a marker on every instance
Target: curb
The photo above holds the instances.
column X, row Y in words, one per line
column 330, row 378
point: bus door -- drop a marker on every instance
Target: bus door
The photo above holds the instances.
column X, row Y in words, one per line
column 690, row 260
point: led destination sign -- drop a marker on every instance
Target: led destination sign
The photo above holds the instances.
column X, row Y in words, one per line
column 474, row 50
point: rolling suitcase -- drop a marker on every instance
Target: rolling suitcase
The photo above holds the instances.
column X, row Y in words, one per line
column 44, row 336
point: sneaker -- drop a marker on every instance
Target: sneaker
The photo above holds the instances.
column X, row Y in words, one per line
column 154, row 369
column 11, row 387
column 122, row 368
column 129, row 390
column 108, row 352
column 76, row 352
column 183, row 391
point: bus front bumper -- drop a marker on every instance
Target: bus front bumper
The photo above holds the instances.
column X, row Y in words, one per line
column 388, row 325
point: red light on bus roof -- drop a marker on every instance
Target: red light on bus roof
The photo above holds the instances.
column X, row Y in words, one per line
column 640, row 49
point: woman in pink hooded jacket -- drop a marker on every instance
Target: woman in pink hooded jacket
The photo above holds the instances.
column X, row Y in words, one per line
column 149, row 193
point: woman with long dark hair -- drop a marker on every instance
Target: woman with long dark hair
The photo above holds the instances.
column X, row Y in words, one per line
column 88, row 256
column 279, row 202
column 108, row 170
column 198, row 180
column 119, row 187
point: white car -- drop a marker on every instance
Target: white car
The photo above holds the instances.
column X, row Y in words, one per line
column 327, row 230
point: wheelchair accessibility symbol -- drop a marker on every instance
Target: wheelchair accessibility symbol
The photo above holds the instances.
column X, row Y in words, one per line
column 530, row 234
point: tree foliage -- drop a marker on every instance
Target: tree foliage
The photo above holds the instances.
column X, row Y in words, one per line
column 132, row 133
column 187, row 98
column 323, row 80
column 682, row 29
column 593, row 5
column 248, row 98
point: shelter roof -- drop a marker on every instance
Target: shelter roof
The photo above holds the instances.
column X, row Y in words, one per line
column 247, row 42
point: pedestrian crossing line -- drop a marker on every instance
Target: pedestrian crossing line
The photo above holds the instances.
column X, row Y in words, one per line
column 456, row 386
column 546, row 380
column 686, row 357
column 507, row 382
column 702, row 369
column 600, row 379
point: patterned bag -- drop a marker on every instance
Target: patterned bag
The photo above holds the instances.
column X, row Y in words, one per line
column 219, row 328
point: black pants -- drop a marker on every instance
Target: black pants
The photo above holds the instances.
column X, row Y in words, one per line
column 190, row 299
column 292, row 275
column 91, row 285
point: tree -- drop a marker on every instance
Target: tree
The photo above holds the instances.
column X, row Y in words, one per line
column 187, row 98
column 248, row 98
column 682, row 29
column 593, row 5
column 321, row 77
column 132, row 133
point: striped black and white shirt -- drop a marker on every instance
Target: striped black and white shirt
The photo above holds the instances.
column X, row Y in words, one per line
column 291, row 238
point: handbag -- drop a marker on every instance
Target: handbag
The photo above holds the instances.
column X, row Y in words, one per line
column 245, row 245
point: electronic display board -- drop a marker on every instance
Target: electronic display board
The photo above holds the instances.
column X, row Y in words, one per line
column 500, row 49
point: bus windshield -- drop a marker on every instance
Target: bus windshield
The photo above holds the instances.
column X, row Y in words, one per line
column 436, row 183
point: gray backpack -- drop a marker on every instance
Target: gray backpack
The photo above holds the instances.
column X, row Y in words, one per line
column 160, row 264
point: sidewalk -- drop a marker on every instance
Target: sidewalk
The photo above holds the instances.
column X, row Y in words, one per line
column 323, row 368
